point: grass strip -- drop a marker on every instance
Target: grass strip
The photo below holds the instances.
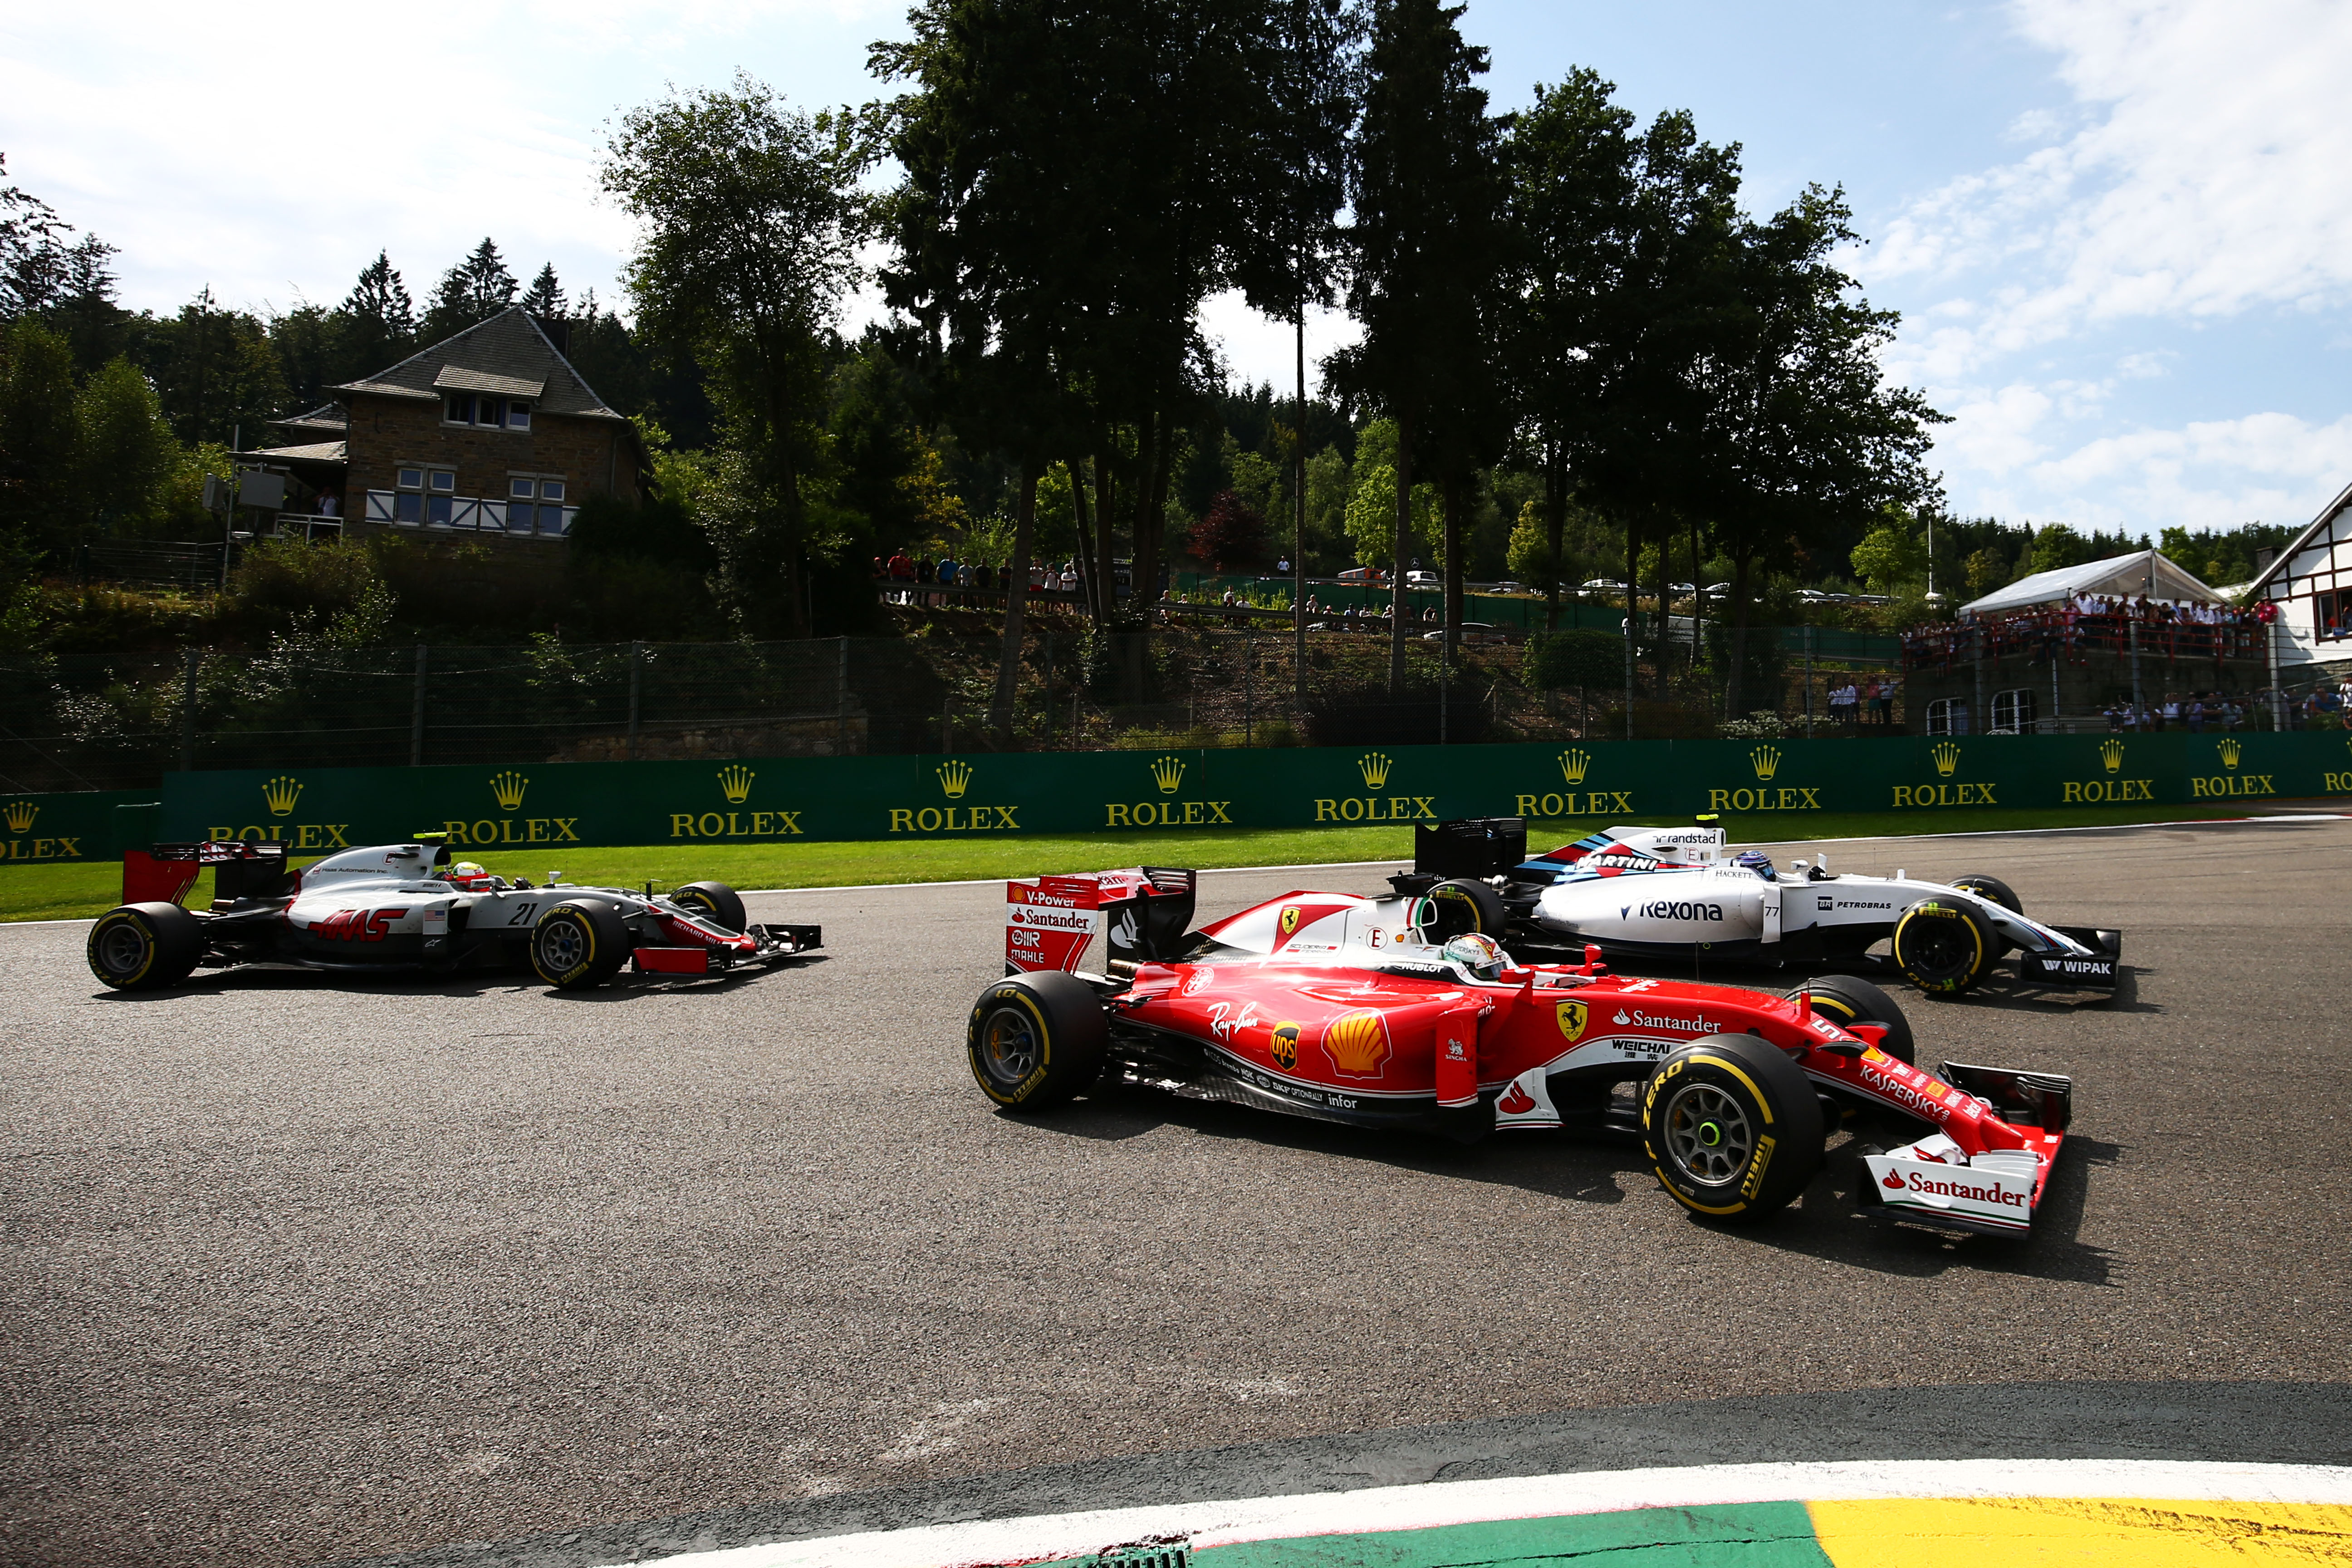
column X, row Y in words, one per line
column 90, row 888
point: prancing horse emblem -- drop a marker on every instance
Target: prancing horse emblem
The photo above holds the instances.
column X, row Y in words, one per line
column 1571, row 1021
column 1288, row 921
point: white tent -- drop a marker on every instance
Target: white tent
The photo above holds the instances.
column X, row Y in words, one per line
column 2146, row 573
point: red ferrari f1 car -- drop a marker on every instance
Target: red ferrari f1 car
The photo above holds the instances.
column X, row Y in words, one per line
column 1394, row 1012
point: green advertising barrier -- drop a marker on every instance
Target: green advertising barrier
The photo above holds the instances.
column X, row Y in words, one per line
column 784, row 799
column 44, row 829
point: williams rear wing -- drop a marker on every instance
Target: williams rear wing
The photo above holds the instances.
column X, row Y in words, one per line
column 1472, row 846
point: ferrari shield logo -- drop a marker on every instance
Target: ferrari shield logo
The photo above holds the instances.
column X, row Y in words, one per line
column 1287, row 923
column 1571, row 1021
column 1284, row 1045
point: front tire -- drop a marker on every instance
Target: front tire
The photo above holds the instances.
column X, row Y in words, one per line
column 714, row 901
column 1993, row 890
column 1942, row 946
column 144, row 947
column 579, row 944
column 1846, row 999
column 1037, row 1039
column 1464, row 906
column 1732, row 1126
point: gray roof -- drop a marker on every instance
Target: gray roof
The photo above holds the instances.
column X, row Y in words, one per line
column 318, row 452
column 506, row 354
column 326, row 416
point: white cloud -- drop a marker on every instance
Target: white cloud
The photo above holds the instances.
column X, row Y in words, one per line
column 2206, row 180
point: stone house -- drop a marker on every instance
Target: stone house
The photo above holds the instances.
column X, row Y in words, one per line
column 490, row 433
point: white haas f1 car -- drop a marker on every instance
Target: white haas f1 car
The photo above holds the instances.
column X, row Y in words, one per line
column 1394, row 1012
column 1661, row 892
column 404, row 907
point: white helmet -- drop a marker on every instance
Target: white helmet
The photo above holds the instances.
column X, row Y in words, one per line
column 1480, row 954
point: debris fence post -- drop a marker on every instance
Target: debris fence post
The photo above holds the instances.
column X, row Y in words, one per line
column 1048, row 743
column 1249, row 688
column 841, row 700
column 636, row 665
column 188, row 714
column 416, row 714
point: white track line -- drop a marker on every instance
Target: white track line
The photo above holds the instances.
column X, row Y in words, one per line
column 1357, row 865
column 1201, row 1525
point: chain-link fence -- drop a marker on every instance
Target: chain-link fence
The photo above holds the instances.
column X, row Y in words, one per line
column 101, row 721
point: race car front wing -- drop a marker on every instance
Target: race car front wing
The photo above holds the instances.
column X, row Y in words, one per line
column 1933, row 1182
column 2096, row 963
column 767, row 944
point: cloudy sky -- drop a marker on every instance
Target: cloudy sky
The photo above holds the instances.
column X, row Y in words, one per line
column 2119, row 230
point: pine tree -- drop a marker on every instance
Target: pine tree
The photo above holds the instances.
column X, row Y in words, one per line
column 474, row 290
column 375, row 326
column 546, row 298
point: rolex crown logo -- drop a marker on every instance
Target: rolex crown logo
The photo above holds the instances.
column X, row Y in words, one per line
column 1947, row 755
column 735, row 779
column 20, row 814
column 2229, row 751
column 1375, row 769
column 281, row 793
column 1572, row 765
column 1767, row 760
column 955, row 777
column 2111, row 751
column 509, row 787
column 1167, row 772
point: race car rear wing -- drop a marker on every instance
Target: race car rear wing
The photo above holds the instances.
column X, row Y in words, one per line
column 1050, row 921
column 242, row 869
column 1472, row 846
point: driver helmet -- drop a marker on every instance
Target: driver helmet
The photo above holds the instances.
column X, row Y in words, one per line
column 463, row 871
column 1480, row 954
column 1755, row 860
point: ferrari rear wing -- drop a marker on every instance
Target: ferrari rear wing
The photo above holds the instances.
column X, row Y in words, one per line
column 1050, row 921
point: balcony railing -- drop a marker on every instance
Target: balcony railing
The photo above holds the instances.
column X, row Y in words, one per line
column 464, row 514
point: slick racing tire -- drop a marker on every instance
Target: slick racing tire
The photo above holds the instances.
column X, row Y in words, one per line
column 1034, row 1040
column 1733, row 1128
column 1993, row 890
column 1846, row 1000
column 1463, row 907
column 714, row 901
column 146, row 947
column 579, row 944
column 1942, row 946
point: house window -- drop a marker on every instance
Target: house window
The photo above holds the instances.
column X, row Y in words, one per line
column 535, row 505
column 413, row 503
column 2012, row 711
column 2333, row 618
column 1948, row 716
column 485, row 412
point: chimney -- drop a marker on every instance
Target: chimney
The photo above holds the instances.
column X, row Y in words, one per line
column 2264, row 557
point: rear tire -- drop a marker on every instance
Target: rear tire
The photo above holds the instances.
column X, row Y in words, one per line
column 1942, row 946
column 1464, row 906
column 1846, row 999
column 144, row 947
column 716, row 902
column 1034, row 1040
column 1732, row 1126
column 1993, row 890
column 579, row 944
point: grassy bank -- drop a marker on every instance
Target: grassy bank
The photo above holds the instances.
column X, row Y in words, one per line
column 78, row 892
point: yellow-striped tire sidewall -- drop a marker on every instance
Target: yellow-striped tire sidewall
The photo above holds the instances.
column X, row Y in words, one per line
column 587, row 928
column 991, row 1000
column 138, row 922
column 1942, row 912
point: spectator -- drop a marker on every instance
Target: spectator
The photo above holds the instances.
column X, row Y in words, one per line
column 2195, row 714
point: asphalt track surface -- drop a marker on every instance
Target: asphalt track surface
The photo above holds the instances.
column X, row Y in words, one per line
column 300, row 1271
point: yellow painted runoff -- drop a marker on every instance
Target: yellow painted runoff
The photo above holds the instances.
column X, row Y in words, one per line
column 2081, row 1532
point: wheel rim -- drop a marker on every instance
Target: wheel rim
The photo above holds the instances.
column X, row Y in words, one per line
column 1008, row 1045
column 1708, row 1134
column 562, row 944
column 121, row 948
column 1935, row 949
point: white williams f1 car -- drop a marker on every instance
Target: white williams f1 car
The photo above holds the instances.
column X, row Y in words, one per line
column 1660, row 892
column 404, row 907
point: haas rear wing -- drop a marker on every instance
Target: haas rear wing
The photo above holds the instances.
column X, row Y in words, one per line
column 242, row 869
column 1050, row 921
